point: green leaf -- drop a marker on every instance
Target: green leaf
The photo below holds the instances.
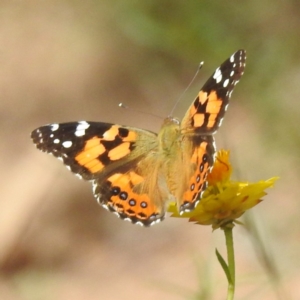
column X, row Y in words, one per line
column 224, row 266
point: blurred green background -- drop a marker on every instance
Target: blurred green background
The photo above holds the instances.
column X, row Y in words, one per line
column 76, row 60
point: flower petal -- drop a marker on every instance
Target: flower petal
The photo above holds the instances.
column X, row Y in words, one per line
column 224, row 200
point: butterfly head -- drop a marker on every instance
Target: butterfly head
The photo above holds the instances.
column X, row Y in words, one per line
column 171, row 120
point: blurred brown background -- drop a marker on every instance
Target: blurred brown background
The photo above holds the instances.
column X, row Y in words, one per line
column 76, row 60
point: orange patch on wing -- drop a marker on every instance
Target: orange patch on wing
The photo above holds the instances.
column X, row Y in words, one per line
column 92, row 163
column 214, row 104
column 135, row 178
column 131, row 137
column 94, row 166
column 201, row 150
column 211, row 120
column 92, row 143
column 90, row 153
column 114, row 177
column 119, row 179
column 202, row 97
column 111, row 133
column 213, row 96
column 193, row 109
column 124, row 179
column 88, row 156
column 198, row 120
column 119, row 151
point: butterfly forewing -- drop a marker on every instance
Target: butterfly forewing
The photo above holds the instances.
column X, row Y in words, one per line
column 207, row 111
column 90, row 148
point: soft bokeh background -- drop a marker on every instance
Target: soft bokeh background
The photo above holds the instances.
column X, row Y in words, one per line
column 76, row 60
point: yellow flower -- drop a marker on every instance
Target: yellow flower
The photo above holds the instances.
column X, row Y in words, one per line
column 224, row 200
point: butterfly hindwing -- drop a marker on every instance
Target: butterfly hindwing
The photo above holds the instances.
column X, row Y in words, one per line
column 198, row 164
column 123, row 194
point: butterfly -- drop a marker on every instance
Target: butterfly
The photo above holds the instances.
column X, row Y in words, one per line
column 135, row 173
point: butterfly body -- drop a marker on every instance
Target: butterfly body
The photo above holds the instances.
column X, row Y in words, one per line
column 135, row 172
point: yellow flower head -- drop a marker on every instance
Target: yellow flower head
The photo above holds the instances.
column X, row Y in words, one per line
column 224, row 200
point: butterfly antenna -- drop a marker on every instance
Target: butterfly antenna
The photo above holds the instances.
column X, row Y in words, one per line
column 179, row 99
column 122, row 105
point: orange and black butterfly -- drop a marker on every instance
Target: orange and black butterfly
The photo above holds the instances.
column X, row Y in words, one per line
column 135, row 172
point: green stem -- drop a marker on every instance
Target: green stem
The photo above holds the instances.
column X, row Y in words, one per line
column 230, row 261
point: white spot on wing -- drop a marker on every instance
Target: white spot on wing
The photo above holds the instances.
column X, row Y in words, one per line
column 80, row 133
column 78, row 175
column 81, row 127
column 218, row 75
column 54, row 127
column 232, row 58
column 104, row 206
column 67, row 144
column 94, row 188
column 56, row 141
column 225, row 83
